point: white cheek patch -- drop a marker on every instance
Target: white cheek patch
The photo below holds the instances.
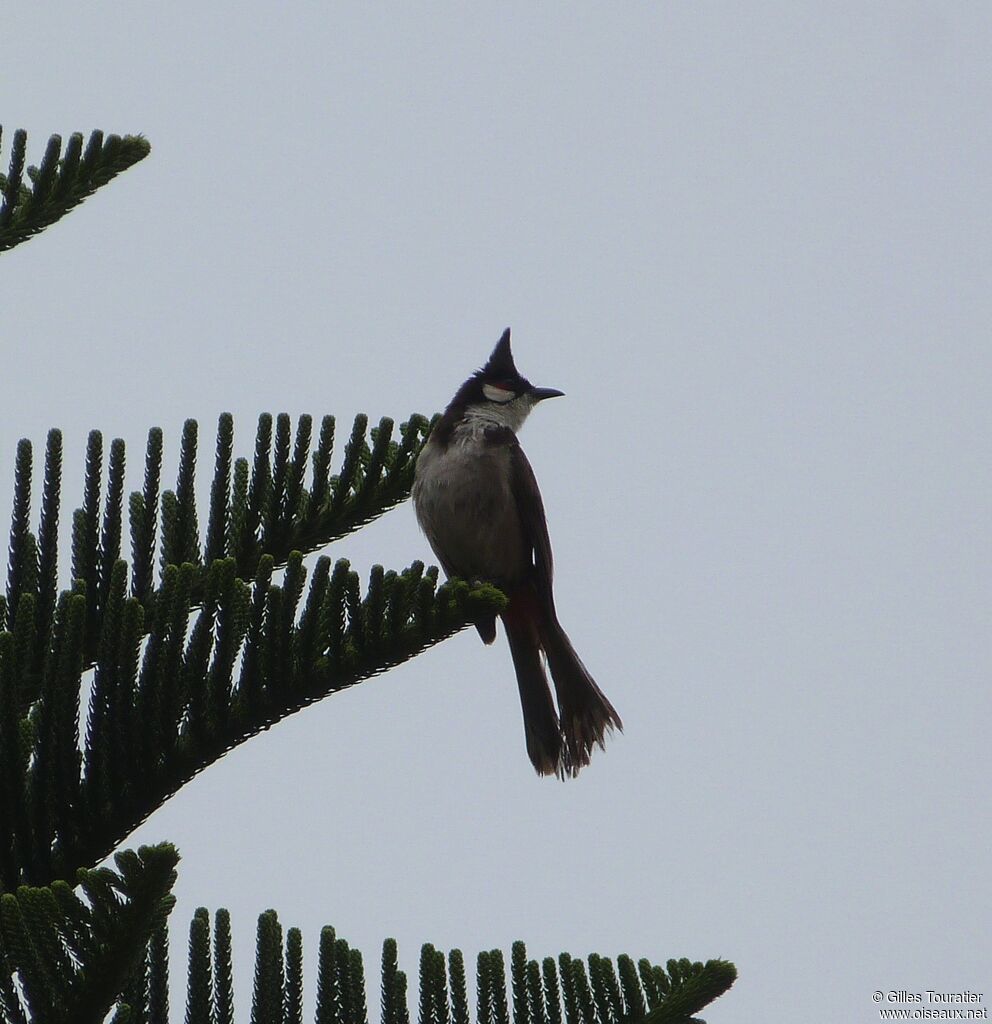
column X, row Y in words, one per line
column 495, row 394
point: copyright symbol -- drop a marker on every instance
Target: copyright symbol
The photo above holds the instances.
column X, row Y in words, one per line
column 877, row 996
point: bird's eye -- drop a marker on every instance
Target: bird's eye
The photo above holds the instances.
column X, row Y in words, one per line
column 496, row 393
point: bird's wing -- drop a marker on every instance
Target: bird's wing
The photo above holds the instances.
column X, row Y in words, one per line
column 527, row 496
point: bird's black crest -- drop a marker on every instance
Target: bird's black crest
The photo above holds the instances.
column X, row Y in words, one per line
column 501, row 361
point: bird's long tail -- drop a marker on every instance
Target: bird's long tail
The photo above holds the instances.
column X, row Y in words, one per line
column 541, row 729
column 558, row 743
column 586, row 716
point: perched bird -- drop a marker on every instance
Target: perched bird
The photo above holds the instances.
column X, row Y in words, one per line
column 477, row 500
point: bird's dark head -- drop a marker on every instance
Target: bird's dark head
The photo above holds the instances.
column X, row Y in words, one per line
column 498, row 392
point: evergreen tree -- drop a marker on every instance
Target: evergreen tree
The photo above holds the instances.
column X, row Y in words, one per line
column 194, row 648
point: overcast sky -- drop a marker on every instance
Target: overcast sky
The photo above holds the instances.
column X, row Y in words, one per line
column 753, row 248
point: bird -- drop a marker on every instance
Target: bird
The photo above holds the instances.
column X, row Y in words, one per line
column 478, row 503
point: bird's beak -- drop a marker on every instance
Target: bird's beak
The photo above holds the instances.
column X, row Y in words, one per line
column 539, row 394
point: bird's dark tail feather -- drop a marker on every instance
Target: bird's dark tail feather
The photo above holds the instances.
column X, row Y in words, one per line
column 586, row 715
column 541, row 728
column 561, row 742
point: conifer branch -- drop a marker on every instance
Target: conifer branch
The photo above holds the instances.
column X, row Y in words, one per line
column 612, row 994
column 61, row 182
column 265, row 512
column 156, row 720
column 72, row 957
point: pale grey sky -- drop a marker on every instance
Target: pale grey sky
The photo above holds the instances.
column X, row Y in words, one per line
column 753, row 248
